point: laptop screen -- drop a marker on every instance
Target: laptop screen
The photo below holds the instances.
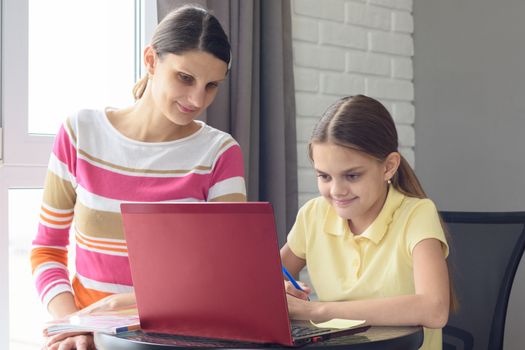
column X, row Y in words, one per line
column 207, row 269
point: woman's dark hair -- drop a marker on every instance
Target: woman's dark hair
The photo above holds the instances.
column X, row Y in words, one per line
column 364, row 124
column 184, row 29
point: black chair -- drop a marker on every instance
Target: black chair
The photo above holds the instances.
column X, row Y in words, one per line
column 486, row 249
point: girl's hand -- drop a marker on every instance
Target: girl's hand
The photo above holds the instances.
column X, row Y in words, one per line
column 300, row 309
column 70, row 341
column 291, row 290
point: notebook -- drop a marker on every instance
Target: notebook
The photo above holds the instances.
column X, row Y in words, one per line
column 211, row 270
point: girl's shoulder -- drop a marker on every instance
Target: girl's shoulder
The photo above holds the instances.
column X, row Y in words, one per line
column 314, row 207
column 421, row 207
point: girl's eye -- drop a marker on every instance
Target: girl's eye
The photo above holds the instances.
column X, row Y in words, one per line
column 185, row 78
column 353, row 177
column 213, row 85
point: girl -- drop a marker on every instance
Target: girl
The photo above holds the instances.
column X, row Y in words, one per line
column 373, row 243
column 154, row 150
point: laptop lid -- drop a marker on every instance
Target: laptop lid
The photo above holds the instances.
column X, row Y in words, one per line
column 207, row 269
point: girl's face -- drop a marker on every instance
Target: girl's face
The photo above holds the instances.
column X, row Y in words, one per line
column 354, row 183
column 183, row 86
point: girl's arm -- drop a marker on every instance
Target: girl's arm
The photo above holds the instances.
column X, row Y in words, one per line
column 294, row 265
column 292, row 262
column 429, row 306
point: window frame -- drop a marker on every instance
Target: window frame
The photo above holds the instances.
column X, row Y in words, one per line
column 23, row 156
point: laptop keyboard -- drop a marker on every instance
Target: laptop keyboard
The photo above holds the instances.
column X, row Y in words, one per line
column 306, row 330
column 185, row 341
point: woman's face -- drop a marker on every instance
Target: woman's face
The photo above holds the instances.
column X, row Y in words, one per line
column 354, row 183
column 183, row 86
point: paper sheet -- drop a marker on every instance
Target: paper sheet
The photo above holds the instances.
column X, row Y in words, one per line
column 339, row 323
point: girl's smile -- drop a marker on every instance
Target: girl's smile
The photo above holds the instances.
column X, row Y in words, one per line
column 353, row 182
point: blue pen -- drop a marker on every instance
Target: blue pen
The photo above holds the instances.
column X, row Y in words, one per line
column 292, row 280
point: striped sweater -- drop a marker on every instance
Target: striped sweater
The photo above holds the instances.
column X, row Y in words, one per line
column 92, row 169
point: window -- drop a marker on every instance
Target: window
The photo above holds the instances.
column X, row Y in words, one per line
column 57, row 56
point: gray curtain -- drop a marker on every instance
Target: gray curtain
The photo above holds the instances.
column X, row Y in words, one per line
column 257, row 104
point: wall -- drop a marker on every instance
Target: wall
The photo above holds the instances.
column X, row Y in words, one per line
column 351, row 47
column 470, row 87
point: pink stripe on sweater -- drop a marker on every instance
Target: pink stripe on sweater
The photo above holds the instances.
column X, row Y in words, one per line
column 112, row 185
column 48, row 277
column 229, row 164
column 48, row 236
column 103, row 268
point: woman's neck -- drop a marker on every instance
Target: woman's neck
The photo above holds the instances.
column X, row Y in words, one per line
column 142, row 123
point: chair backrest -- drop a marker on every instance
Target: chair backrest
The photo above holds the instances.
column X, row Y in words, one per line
column 485, row 251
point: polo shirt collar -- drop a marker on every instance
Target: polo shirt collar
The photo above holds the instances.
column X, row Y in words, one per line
column 337, row 226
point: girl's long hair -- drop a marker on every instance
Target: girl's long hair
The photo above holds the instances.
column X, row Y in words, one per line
column 364, row 124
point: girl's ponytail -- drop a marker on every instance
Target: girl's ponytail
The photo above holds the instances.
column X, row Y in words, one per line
column 406, row 181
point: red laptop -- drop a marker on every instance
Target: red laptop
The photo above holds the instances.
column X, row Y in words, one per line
column 210, row 270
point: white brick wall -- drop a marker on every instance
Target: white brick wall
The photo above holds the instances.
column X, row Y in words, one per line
column 348, row 47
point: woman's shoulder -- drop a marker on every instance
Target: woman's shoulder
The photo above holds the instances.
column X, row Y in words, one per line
column 211, row 133
column 85, row 117
column 83, row 121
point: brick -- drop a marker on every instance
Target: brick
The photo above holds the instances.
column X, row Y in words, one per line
column 390, row 89
column 394, row 4
column 310, row 105
column 327, row 9
column 367, row 16
column 393, row 43
column 343, row 35
column 367, row 63
column 304, row 128
column 403, row 113
column 306, row 79
column 402, row 68
column 305, row 29
column 388, row 105
column 342, row 84
column 408, row 154
column 403, row 22
column 306, row 55
column 406, row 135
column 332, row 59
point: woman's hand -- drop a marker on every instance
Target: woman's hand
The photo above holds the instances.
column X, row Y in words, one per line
column 70, row 341
column 110, row 303
column 84, row 341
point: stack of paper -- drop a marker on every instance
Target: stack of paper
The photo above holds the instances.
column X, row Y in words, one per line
column 112, row 322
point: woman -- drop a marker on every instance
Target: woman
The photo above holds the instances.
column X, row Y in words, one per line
column 154, row 150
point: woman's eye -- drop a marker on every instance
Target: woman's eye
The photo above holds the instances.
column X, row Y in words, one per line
column 185, row 78
column 323, row 177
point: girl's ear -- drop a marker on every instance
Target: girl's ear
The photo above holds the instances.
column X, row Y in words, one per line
column 391, row 162
column 150, row 59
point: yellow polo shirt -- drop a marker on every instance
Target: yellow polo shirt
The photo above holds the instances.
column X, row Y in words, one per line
column 374, row 264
